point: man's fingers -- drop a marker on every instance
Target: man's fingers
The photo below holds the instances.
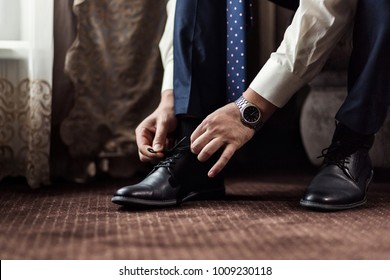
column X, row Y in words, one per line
column 150, row 157
column 197, row 132
column 160, row 137
column 200, row 138
column 208, row 150
column 144, row 136
column 222, row 161
column 200, row 142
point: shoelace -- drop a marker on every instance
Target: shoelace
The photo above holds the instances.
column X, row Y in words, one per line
column 336, row 154
column 340, row 154
column 173, row 154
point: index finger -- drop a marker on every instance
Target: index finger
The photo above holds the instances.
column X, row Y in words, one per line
column 226, row 155
column 144, row 138
column 197, row 132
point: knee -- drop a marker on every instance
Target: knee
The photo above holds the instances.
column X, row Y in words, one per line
column 374, row 14
column 372, row 22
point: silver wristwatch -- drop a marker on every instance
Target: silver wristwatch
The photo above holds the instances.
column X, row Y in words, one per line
column 250, row 113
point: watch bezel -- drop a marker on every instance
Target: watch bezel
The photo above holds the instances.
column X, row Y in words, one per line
column 242, row 105
column 246, row 107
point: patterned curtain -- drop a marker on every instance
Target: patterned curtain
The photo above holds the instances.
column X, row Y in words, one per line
column 26, row 58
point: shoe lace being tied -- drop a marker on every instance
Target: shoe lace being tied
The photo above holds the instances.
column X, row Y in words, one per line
column 172, row 154
column 339, row 154
column 334, row 155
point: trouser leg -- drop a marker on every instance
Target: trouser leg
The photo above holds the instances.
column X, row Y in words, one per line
column 199, row 57
column 366, row 105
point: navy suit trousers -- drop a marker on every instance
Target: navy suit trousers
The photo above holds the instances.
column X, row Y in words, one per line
column 366, row 105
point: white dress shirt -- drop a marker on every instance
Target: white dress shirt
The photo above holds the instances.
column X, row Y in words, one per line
column 317, row 27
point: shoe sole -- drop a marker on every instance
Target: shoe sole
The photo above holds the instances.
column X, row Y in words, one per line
column 326, row 207
column 131, row 202
column 320, row 206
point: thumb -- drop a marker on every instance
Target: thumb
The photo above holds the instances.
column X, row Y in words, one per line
column 160, row 138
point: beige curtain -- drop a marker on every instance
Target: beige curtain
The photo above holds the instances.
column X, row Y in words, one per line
column 26, row 58
column 272, row 23
column 114, row 66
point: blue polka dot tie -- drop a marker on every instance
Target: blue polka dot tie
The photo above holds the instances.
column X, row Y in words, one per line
column 236, row 14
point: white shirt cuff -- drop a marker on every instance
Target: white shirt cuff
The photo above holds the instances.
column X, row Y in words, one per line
column 276, row 84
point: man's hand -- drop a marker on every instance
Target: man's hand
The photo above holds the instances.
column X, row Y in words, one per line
column 221, row 129
column 224, row 129
column 152, row 133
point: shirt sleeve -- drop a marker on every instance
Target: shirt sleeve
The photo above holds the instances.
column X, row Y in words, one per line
column 166, row 47
column 317, row 27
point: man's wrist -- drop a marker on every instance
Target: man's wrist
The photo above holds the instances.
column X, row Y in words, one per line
column 250, row 114
column 167, row 98
column 266, row 107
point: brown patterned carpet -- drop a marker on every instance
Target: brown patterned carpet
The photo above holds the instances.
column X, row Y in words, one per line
column 259, row 219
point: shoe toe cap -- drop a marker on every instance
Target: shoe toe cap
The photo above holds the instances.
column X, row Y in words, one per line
column 332, row 190
column 134, row 191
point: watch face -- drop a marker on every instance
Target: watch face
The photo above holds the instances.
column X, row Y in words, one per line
column 251, row 114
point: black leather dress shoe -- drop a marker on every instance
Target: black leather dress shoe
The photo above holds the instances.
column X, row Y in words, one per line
column 178, row 178
column 343, row 180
